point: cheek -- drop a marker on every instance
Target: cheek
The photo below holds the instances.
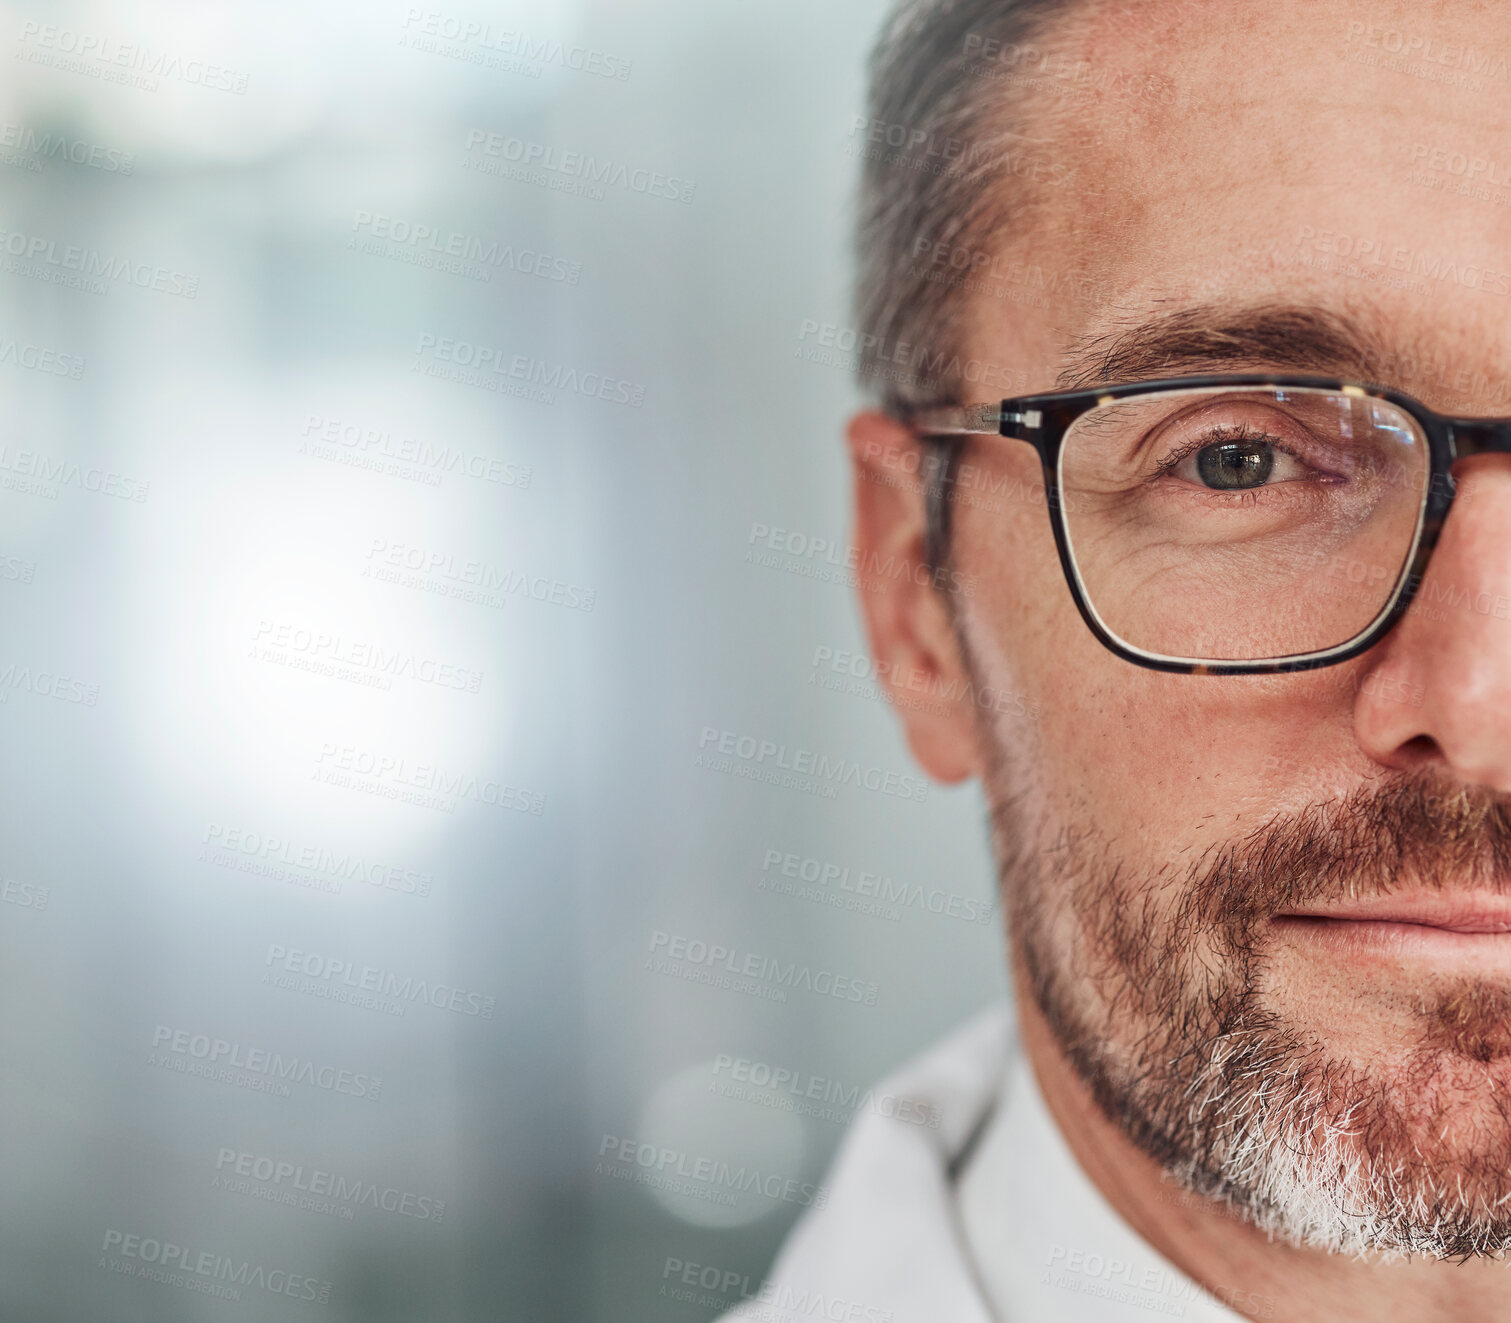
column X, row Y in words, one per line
column 1086, row 709
column 1021, row 620
column 1155, row 762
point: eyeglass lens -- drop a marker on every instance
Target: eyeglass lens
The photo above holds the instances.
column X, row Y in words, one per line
column 1242, row 524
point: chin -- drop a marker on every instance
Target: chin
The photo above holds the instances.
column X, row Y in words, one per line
column 1400, row 1154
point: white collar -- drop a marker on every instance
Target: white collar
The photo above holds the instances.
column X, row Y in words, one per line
column 957, row 1222
column 1045, row 1242
column 885, row 1247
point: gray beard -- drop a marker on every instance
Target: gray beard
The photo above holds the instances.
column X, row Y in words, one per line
column 1162, row 1015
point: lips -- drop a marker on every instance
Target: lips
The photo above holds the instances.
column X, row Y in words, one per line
column 1465, row 931
column 1480, row 914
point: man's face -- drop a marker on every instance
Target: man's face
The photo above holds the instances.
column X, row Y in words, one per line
column 1177, row 851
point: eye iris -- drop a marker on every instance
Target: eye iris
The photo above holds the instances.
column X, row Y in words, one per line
column 1235, row 465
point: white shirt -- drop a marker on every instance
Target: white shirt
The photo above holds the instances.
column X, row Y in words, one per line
column 986, row 1218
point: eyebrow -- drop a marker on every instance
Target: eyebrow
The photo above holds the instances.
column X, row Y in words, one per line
column 1221, row 336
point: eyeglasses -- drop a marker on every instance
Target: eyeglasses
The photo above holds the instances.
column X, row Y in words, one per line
column 1231, row 525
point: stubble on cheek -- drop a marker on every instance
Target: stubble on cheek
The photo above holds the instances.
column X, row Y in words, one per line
column 1160, row 986
column 1117, row 955
column 1130, row 980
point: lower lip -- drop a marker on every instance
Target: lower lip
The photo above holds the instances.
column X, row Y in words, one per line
column 1376, row 938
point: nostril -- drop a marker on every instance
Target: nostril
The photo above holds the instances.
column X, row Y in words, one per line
column 1419, row 750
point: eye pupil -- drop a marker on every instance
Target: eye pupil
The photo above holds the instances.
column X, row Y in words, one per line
column 1235, row 465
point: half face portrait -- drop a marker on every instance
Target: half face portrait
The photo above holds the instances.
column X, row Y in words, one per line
column 1188, row 329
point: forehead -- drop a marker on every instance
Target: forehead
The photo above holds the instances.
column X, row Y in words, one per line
column 1356, row 159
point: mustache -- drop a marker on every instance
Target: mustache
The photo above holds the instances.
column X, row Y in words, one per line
column 1423, row 830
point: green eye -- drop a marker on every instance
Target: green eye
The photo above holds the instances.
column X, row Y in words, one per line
column 1235, row 465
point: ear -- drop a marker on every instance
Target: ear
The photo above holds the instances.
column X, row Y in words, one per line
column 903, row 601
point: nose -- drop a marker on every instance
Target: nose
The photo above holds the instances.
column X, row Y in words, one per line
column 1441, row 694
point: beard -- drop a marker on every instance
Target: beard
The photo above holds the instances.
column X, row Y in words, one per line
column 1155, row 986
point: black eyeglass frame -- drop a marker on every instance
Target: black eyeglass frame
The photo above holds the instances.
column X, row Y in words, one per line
column 1043, row 420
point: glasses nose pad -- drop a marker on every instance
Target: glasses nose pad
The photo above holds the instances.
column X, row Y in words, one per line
column 1472, row 437
column 1468, row 439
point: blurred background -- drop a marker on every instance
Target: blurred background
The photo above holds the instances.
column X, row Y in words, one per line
column 422, row 533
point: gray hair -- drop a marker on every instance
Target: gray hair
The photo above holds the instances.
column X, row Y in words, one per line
column 936, row 143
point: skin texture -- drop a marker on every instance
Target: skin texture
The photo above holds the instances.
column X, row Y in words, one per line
column 1115, row 805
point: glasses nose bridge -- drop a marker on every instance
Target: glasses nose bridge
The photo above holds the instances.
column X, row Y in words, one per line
column 1468, row 437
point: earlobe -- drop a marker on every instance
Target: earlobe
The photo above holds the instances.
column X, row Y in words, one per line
column 902, row 598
